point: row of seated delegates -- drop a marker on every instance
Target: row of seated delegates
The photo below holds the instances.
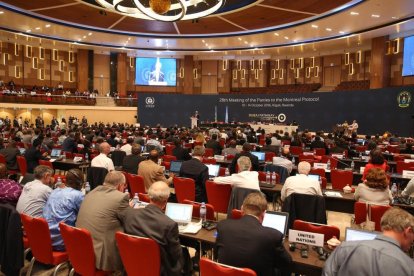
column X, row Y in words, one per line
column 375, row 188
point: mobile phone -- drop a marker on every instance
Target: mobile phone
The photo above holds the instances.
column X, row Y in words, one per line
column 304, row 253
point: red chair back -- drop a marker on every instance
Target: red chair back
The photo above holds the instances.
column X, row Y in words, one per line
column 296, row 150
column 196, row 209
column 218, row 195
column 2, row 159
column 208, row 152
column 361, row 148
column 169, row 158
column 360, row 212
column 140, row 256
column 324, row 183
column 222, row 171
column 46, row 163
column 340, row 179
column 169, row 149
column 21, row 161
column 320, row 172
column 136, row 184
column 79, row 246
column 328, row 231
column 184, row 189
column 269, row 156
column 377, row 211
column 236, row 214
column 210, row 268
column 401, row 166
column 209, row 161
column 319, row 151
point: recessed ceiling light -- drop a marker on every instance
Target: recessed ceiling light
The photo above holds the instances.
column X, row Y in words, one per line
column 203, row 41
column 28, row 31
column 354, row 13
column 239, row 38
column 84, row 36
column 276, row 34
column 375, row 15
column 286, row 37
column 90, row 34
column 1, row 12
column 37, row 28
column 47, row 25
column 328, row 29
column 315, row 26
column 245, row 42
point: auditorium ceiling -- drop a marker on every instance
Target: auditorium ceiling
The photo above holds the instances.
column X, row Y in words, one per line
column 239, row 27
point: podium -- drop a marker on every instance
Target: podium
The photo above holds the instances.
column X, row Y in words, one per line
column 193, row 121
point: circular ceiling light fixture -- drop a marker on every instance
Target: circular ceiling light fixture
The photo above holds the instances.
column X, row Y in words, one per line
column 163, row 10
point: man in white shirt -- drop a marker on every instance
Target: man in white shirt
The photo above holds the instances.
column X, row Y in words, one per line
column 301, row 183
column 244, row 179
column 128, row 146
column 102, row 160
column 35, row 193
column 283, row 161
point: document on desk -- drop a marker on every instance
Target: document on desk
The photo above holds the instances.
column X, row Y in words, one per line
column 334, row 194
column 191, row 228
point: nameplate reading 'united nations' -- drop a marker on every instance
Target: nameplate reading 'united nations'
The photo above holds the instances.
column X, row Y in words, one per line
column 309, row 238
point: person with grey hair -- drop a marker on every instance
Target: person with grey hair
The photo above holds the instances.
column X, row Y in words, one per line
column 245, row 178
column 301, row 183
column 131, row 162
column 382, row 256
column 196, row 170
column 102, row 214
column 35, row 193
column 102, row 160
column 151, row 222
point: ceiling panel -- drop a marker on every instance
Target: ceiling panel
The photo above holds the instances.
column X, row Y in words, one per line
column 312, row 6
column 145, row 26
column 37, row 4
column 206, row 25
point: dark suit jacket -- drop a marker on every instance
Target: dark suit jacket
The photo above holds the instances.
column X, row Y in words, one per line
column 69, row 145
column 152, row 223
column 253, row 159
column 10, row 155
column 317, row 145
column 131, row 162
column 246, row 243
column 32, row 156
column 199, row 172
column 181, row 153
column 213, row 144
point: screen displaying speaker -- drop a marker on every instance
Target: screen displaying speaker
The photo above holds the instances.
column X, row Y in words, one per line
column 155, row 71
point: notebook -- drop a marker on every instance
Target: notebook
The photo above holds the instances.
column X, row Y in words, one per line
column 276, row 220
column 55, row 153
column 352, row 234
column 260, row 155
column 213, row 170
column 175, row 166
column 180, row 213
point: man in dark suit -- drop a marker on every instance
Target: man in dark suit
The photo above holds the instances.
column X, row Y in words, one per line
column 131, row 161
column 214, row 145
column 246, row 243
column 33, row 155
column 269, row 147
column 245, row 152
column 196, row 170
column 69, row 144
column 180, row 152
column 151, row 222
column 317, row 143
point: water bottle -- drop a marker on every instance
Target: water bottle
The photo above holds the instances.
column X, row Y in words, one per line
column 86, row 156
column 135, row 200
column 227, row 172
column 273, row 178
column 203, row 212
column 225, row 156
column 360, row 155
column 328, row 165
column 87, row 188
column 126, row 192
column 352, row 165
column 293, row 160
column 58, row 183
column 268, row 177
column 394, row 189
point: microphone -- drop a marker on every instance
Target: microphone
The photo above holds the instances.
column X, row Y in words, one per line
column 342, row 162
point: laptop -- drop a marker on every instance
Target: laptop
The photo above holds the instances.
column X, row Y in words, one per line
column 276, row 220
column 22, row 151
column 315, row 177
column 175, row 166
column 180, row 213
column 352, row 234
column 213, row 170
column 260, row 155
column 55, row 153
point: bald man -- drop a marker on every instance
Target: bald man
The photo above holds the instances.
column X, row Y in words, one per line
column 152, row 172
column 102, row 160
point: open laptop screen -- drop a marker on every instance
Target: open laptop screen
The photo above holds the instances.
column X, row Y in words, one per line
column 276, row 220
column 55, row 153
column 180, row 213
column 359, row 235
column 175, row 166
column 260, row 155
column 213, row 170
column 314, row 177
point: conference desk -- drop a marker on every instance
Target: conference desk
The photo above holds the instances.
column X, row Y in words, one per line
column 67, row 164
column 309, row 266
column 271, row 128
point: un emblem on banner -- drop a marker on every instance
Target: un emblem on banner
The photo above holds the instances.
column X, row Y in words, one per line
column 404, row 99
column 149, row 100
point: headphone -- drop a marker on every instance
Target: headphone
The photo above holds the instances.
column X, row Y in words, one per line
column 78, row 178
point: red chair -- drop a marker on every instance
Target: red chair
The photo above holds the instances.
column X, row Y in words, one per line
column 222, row 171
column 2, row 159
column 332, row 160
column 136, row 184
column 269, row 156
column 319, row 151
column 236, row 214
column 296, row 150
column 21, row 161
column 196, row 209
column 37, row 231
column 361, row 148
column 360, row 212
column 79, row 245
column 328, row 231
column 184, row 189
column 340, row 179
column 140, row 256
column 324, row 183
column 169, row 149
column 143, row 197
column 320, row 172
column 230, row 156
column 210, row 268
column 169, row 158
column 46, row 163
column 68, row 155
column 218, row 195
column 377, row 211
column 208, row 152
column 402, row 166
column 209, row 161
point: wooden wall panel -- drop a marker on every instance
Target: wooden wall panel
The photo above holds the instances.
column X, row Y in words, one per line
column 380, row 63
column 101, row 74
column 122, row 74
